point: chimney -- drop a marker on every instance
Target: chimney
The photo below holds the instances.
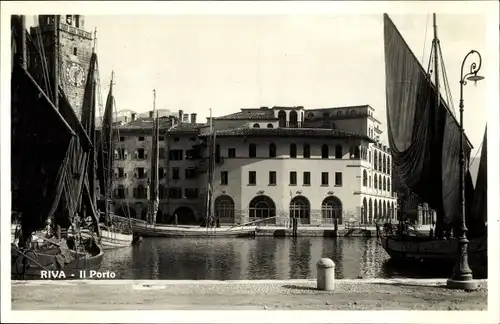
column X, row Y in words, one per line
column 151, row 114
column 185, row 118
column 193, row 118
column 133, row 116
column 181, row 113
column 126, row 118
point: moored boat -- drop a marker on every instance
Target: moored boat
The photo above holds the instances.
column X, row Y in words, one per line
column 425, row 139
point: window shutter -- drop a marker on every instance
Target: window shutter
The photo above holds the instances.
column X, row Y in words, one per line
column 125, row 175
column 145, row 154
column 135, row 173
column 135, row 193
column 116, row 154
column 125, row 154
column 136, row 154
column 116, row 173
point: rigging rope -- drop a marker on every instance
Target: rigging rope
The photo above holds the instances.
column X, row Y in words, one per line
column 425, row 38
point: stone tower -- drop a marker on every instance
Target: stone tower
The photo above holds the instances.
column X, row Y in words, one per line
column 74, row 50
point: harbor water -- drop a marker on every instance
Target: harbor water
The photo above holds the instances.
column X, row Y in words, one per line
column 259, row 258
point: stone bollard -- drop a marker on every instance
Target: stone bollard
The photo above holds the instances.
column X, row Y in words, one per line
column 326, row 274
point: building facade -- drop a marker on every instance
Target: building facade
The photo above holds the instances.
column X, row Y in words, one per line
column 283, row 162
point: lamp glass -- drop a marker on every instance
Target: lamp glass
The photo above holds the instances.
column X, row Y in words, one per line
column 475, row 78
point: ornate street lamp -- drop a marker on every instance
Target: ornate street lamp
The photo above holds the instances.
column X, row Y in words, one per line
column 462, row 275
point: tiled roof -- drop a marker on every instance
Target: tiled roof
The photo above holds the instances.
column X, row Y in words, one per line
column 146, row 123
column 341, row 107
column 263, row 114
column 288, row 132
column 186, row 128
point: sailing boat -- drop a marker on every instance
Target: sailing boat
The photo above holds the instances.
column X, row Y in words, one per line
column 114, row 234
column 152, row 229
column 50, row 165
column 424, row 138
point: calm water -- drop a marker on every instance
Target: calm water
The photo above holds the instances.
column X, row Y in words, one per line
column 259, row 258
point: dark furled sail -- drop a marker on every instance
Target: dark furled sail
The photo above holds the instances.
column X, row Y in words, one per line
column 478, row 215
column 153, row 181
column 106, row 150
column 38, row 185
column 424, row 139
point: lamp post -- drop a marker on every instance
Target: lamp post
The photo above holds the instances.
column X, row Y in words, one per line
column 462, row 275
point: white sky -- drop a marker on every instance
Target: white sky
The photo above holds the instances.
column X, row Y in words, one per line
column 227, row 62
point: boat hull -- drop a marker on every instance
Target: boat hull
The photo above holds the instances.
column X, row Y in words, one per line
column 176, row 231
column 112, row 240
column 444, row 252
column 47, row 259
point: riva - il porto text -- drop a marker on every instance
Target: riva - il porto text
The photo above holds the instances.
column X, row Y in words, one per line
column 80, row 274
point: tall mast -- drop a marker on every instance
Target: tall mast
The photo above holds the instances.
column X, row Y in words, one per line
column 435, row 45
column 23, row 42
column 109, row 139
column 55, row 66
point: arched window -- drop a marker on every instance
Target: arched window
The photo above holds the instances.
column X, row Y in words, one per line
column 326, row 115
column 375, row 209
column 310, row 115
column 331, row 209
column 306, row 151
column 270, row 125
column 224, row 209
column 375, row 160
column 256, row 125
column 300, row 208
column 370, row 211
column 375, row 179
column 262, row 207
column 338, row 151
column 353, row 112
column 384, row 187
column 383, row 165
column 282, row 119
column 364, row 212
column 365, row 178
column 272, row 150
column 293, row 150
column 388, row 184
column 324, row 151
column 370, row 181
column 293, row 120
column 252, row 150
column 369, row 156
column 339, row 113
column 380, row 161
column 380, row 182
column 389, row 166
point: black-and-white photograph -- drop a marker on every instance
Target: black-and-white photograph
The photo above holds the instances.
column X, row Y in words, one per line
column 314, row 156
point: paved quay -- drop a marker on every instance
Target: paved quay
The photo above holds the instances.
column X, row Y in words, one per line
column 349, row 294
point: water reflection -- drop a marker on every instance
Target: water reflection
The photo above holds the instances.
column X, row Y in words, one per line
column 260, row 258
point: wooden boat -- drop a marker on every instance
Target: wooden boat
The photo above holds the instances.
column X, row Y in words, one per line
column 429, row 173
column 46, row 263
column 50, row 165
column 193, row 231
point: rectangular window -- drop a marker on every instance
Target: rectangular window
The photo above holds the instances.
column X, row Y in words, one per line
column 223, row 177
column 176, row 173
column 190, row 173
column 122, row 138
column 191, row 193
column 141, row 173
column 121, row 173
column 75, row 51
column 306, row 178
column 231, row 153
column 324, row 178
column 272, row 178
column 338, row 179
column 141, row 154
column 141, row 138
column 293, row 178
column 175, row 155
column 175, row 193
column 161, row 138
column 252, row 177
column 122, row 154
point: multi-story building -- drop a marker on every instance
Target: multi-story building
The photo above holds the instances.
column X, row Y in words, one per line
column 313, row 164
